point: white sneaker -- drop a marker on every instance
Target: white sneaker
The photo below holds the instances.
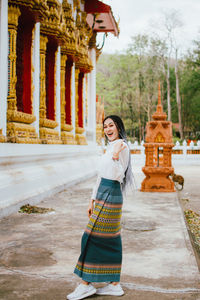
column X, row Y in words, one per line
column 82, row 291
column 110, row 289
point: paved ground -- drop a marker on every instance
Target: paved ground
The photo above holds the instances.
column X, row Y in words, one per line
column 38, row 252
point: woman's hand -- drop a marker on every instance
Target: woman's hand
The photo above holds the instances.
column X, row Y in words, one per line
column 118, row 147
column 90, row 208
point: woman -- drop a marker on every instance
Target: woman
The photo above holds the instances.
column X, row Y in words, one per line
column 101, row 249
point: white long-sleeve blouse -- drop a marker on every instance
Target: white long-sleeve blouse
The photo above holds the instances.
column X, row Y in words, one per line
column 112, row 169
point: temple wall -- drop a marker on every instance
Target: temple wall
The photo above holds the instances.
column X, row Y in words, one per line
column 43, row 144
column 28, row 173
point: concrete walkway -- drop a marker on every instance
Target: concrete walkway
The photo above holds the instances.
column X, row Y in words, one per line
column 38, row 252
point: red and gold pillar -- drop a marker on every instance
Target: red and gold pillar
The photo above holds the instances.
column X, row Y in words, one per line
column 66, row 103
column 48, row 133
column 20, row 91
column 80, row 138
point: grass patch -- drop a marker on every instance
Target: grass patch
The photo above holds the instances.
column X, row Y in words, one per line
column 31, row 209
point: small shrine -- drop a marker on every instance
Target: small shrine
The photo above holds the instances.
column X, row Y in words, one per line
column 158, row 150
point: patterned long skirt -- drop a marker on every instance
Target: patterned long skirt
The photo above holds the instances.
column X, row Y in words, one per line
column 101, row 247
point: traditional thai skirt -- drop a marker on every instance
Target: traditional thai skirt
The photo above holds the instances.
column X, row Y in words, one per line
column 101, row 247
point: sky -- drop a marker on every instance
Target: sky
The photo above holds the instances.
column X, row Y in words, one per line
column 137, row 15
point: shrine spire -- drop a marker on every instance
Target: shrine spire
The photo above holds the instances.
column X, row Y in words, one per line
column 159, row 114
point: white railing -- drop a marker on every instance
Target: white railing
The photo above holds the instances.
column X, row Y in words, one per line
column 179, row 151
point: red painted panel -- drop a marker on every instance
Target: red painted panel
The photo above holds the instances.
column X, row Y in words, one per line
column 68, row 73
column 50, row 79
column 23, row 62
column 95, row 6
column 80, row 100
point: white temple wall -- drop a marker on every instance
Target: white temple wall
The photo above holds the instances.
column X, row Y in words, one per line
column 91, row 126
column 28, row 173
column 73, row 100
column 58, row 112
column 3, row 63
column 36, row 76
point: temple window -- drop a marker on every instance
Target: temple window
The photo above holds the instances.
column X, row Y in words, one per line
column 23, row 61
column 50, row 78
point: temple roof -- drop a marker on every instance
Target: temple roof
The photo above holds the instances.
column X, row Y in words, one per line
column 100, row 17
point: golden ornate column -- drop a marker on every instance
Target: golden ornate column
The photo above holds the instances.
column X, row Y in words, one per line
column 80, row 138
column 66, row 134
column 43, row 46
column 13, row 15
column 19, row 129
column 48, row 134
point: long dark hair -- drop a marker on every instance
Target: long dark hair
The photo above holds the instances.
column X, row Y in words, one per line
column 128, row 178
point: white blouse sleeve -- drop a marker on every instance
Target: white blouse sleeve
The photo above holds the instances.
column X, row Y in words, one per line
column 94, row 192
column 118, row 167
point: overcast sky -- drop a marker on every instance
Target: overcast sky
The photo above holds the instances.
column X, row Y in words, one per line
column 136, row 16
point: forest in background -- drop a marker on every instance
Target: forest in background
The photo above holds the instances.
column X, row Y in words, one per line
column 128, row 85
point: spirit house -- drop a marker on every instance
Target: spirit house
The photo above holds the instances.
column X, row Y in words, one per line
column 158, row 150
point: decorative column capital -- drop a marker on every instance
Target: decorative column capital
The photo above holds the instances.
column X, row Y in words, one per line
column 13, row 16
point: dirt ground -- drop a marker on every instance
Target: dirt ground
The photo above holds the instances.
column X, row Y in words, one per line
column 38, row 251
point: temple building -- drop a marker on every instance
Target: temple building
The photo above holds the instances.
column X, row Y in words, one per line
column 48, row 59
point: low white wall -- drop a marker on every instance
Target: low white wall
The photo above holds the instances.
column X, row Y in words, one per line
column 28, row 173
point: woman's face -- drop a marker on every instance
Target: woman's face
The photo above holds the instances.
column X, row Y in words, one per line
column 110, row 130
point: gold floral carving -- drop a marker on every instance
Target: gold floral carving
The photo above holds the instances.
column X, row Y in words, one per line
column 68, row 138
column 43, row 45
column 99, row 133
column 83, row 36
column 81, row 139
column 68, row 30
column 76, row 4
column 48, row 123
column 21, row 117
column 21, row 133
column 39, row 7
column 13, row 15
column 62, row 88
column 50, row 25
column 49, row 136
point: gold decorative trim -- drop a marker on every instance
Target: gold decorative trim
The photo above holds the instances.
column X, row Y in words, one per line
column 99, row 133
column 48, row 123
column 62, row 88
column 21, row 133
column 13, row 16
column 80, row 130
column 83, row 36
column 43, row 46
column 68, row 138
column 81, row 139
column 50, row 25
column 49, row 136
column 21, row 117
column 39, row 7
column 66, row 127
column 68, row 30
